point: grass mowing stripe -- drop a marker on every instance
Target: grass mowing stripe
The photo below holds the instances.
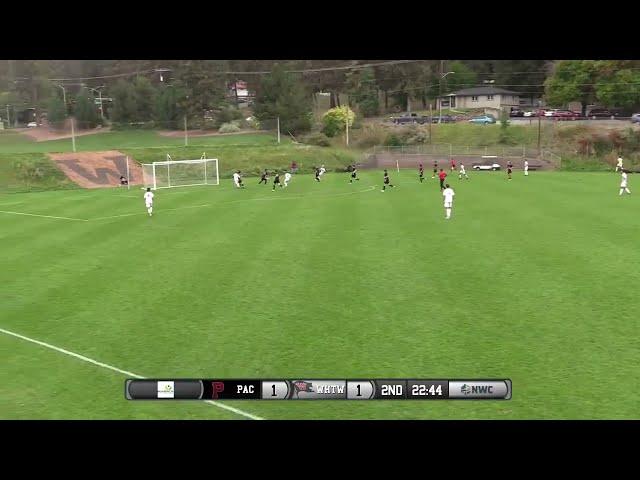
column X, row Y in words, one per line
column 116, row 369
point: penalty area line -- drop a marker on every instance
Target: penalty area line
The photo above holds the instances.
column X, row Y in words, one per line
column 116, row 369
column 43, row 216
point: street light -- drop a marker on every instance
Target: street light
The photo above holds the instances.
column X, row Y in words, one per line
column 64, row 95
column 440, row 94
column 161, row 71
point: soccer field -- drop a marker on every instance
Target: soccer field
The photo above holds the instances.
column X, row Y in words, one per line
column 534, row 280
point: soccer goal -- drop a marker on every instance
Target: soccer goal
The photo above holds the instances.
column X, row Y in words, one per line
column 181, row 173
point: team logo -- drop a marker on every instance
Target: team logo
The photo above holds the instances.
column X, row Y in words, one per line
column 302, row 386
column 466, row 389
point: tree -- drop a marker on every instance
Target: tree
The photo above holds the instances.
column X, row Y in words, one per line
column 335, row 120
column 167, row 111
column 572, row 80
column 463, row 77
column 618, row 84
column 124, row 103
column 56, row 110
column 203, row 86
column 85, row 110
column 281, row 96
column 144, row 95
column 363, row 91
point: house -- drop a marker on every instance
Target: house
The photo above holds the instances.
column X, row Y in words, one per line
column 239, row 91
column 482, row 97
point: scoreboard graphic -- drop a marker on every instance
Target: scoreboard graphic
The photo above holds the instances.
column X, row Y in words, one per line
column 319, row 389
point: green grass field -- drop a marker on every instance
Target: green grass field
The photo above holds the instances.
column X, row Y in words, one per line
column 13, row 142
column 533, row 280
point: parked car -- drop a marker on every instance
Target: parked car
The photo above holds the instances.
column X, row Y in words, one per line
column 32, row 124
column 530, row 113
column 410, row 118
column 483, row 119
column 491, row 166
column 443, row 119
column 516, row 112
column 635, row 118
column 602, row 113
column 565, row 115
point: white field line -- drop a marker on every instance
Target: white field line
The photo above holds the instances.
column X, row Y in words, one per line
column 289, row 197
column 144, row 213
column 118, row 370
column 43, row 216
column 12, row 203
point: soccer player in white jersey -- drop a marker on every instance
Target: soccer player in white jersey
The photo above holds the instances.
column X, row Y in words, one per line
column 287, row 179
column 462, row 172
column 448, row 195
column 623, row 183
column 619, row 165
column 526, row 168
column 148, row 201
column 322, row 170
column 237, row 180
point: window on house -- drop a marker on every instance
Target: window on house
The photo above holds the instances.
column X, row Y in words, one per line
column 489, row 97
column 474, row 98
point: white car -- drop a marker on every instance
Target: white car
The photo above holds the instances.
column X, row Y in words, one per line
column 32, row 124
column 493, row 166
column 550, row 113
column 529, row 114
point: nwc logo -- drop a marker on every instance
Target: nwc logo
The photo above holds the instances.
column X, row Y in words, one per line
column 482, row 389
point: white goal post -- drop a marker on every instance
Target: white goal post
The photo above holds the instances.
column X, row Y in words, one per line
column 181, row 173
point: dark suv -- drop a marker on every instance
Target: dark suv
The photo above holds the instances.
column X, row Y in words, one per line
column 602, row 113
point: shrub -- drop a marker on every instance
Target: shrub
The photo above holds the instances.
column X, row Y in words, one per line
column 228, row 115
column 319, row 139
column 229, row 128
column 414, row 135
column 335, row 120
column 393, row 140
column 370, row 136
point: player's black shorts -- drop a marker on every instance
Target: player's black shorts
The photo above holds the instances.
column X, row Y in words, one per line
column 509, row 170
column 353, row 175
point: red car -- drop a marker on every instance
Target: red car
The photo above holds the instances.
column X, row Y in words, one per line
column 565, row 115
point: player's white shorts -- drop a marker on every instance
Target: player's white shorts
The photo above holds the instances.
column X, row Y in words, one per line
column 148, row 204
column 623, row 185
column 448, row 204
column 237, row 184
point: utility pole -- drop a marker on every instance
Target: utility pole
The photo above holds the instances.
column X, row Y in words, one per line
column 347, row 123
column 430, row 123
column 186, row 135
column 539, row 128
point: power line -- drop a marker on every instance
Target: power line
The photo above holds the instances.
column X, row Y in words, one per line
column 263, row 72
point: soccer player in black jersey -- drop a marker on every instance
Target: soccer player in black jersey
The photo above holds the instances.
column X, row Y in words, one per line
column 317, row 174
column 263, row 177
column 276, row 181
column 509, row 169
column 421, row 172
column 435, row 169
column 386, row 181
column 354, row 174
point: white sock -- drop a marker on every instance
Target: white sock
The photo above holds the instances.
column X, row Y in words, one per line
column 621, row 190
column 448, row 213
column 627, row 190
column 150, row 210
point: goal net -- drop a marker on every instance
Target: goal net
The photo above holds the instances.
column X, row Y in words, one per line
column 181, row 173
